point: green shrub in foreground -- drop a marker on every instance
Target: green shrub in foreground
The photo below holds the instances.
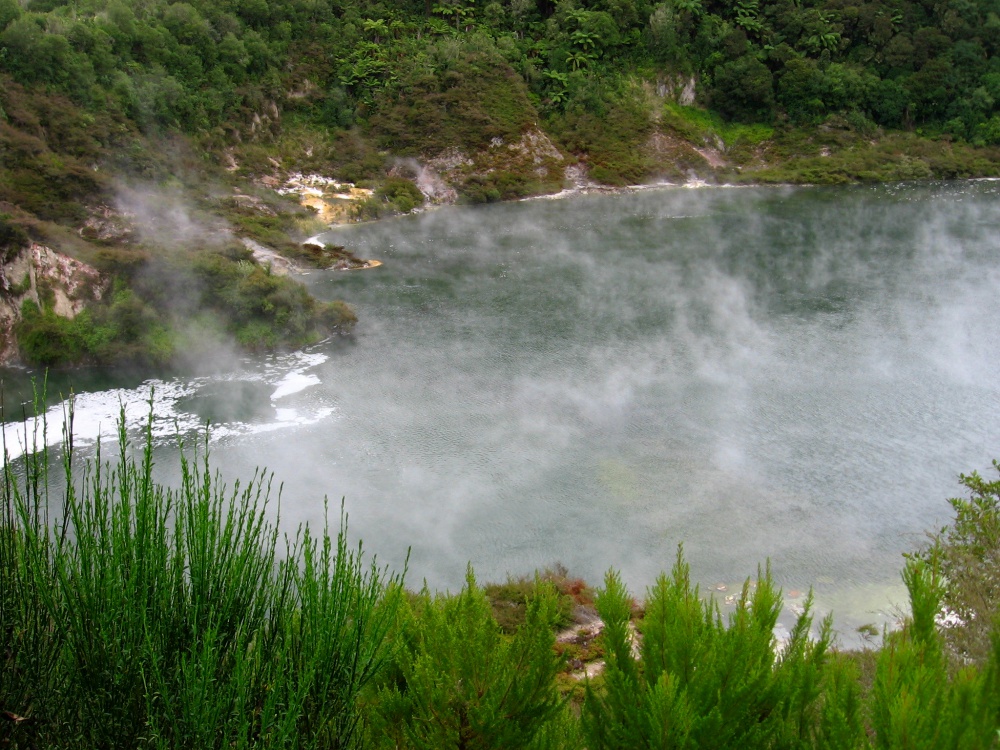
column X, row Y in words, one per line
column 915, row 703
column 460, row 682
column 134, row 615
column 696, row 682
column 967, row 555
column 143, row 616
column 699, row 682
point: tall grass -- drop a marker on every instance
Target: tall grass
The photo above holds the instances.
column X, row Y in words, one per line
column 134, row 615
column 139, row 615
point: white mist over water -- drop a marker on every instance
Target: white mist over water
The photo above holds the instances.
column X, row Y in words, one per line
column 793, row 374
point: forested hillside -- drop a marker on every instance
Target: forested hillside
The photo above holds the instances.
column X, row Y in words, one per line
column 111, row 110
column 418, row 78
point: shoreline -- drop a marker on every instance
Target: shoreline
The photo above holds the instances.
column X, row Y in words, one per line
column 599, row 189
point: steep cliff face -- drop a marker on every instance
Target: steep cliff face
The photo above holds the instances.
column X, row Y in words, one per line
column 45, row 277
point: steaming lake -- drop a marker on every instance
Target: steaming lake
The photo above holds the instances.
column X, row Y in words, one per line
column 794, row 374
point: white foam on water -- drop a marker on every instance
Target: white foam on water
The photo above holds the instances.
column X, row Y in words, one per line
column 294, row 382
column 96, row 416
column 296, row 378
column 291, row 417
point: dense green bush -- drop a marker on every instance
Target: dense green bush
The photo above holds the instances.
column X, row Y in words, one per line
column 122, row 330
column 461, row 683
column 148, row 616
column 47, row 339
column 263, row 310
column 402, row 194
column 701, row 683
column 496, row 186
column 396, row 195
column 966, row 556
column 915, row 702
column 152, row 300
column 136, row 615
column 462, row 95
column 419, row 78
column 607, row 125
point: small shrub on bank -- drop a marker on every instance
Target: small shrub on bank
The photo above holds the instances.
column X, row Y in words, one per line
column 264, row 310
column 47, row 339
column 510, row 600
column 121, row 330
column 496, row 186
column 13, row 239
column 402, row 195
column 396, row 195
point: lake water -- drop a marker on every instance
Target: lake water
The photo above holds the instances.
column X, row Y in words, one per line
column 796, row 375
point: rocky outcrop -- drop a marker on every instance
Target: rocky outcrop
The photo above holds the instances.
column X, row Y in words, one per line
column 40, row 274
column 333, row 201
column 105, row 224
column 429, row 180
column 680, row 89
column 680, row 160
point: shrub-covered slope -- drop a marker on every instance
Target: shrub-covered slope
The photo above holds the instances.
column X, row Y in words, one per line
column 476, row 100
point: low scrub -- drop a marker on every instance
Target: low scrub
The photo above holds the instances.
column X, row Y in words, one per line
column 146, row 320
column 135, row 615
column 262, row 310
column 607, row 125
column 460, row 682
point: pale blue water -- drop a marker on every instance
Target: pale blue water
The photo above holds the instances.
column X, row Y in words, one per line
column 793, row 374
